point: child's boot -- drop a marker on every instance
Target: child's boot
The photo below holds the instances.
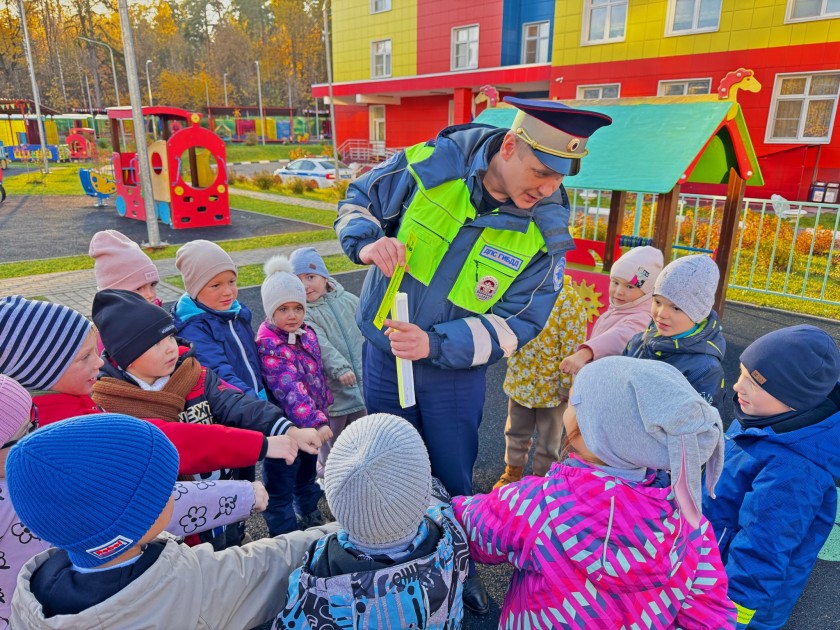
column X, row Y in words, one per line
column 511, row 474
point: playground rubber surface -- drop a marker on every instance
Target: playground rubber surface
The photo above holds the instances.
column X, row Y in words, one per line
column 819, row 606
column 36, row 227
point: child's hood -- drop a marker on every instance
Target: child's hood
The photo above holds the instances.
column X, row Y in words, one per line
column 187, row 308
column 709, row 340
column 334, row 290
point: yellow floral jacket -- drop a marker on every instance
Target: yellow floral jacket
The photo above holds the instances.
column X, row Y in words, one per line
column 533, row 375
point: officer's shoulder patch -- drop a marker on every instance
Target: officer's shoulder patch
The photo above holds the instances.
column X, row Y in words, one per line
column 559, row 270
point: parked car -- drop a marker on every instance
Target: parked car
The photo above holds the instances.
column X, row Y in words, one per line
column 319, row 170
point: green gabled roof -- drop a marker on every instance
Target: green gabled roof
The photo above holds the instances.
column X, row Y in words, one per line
column 657, row 142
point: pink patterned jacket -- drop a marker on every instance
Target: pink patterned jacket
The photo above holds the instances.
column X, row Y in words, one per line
column 593, row 551
column 294, row 375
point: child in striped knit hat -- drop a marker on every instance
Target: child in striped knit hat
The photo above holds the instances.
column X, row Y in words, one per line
column 608, row 539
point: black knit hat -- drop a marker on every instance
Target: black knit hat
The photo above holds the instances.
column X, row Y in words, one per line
column 128, row 324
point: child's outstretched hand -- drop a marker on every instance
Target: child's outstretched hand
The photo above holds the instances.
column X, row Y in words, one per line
column 348, row 379
column 282, row 447
column 325, row 433
column 260, row 497
column 574, row 362
column 307, row 440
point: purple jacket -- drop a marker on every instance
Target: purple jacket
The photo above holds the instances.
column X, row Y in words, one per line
column 591, row 550
column 294, row 375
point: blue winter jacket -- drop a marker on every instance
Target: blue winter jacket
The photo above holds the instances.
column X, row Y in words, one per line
column 775, row 507
column 697, row 356
column 223, row 341
column 458, row 338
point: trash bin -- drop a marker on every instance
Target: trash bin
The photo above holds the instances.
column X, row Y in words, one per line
column 817, row 193
column 832, row 191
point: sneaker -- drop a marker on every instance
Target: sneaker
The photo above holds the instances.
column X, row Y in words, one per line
column 313, row 519
column 511, row 474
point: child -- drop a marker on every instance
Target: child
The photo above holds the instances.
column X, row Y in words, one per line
column 104, row 510
column 608, row 539
column 119, row 263
column 62, row 370
column 685, row 331
column 209, row 316
column 777, row 499
column 537, row 392
column 291, row 367
column 631, row 284
column 194, row 507
column 331, row 312
column 401, row 558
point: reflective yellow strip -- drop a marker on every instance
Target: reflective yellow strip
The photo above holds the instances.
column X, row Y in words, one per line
column 745, row 615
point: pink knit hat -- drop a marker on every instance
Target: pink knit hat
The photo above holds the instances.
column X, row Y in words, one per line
column 15, row 407
column 199, row 262
column 119, row 263
column 640, row 267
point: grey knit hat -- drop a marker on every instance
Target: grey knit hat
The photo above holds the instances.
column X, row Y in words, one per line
column 378, row 481
column 199, row 262
column 308, row 260
column 280, row 285
column 690, row 283
column 639, row 413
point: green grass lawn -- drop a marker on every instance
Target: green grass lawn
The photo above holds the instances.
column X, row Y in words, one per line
column 284, row 210
column 63, row 179
column 244, row 153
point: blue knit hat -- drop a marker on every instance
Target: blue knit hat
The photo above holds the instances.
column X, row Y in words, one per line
column 308, row 260
column 798, row 365
column 38, row 340
column 92, row 485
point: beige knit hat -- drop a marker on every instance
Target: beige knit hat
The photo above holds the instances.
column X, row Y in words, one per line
column 119, row 263
column 199, row 262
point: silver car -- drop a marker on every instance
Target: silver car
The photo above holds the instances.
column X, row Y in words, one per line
column 319, row 170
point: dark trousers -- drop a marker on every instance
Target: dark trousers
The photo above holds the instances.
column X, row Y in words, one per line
column 291, row 491
column 447, row 413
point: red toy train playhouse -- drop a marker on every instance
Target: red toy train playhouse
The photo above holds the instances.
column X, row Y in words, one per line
column 189, row 174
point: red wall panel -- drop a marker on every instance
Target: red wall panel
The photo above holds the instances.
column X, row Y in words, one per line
column 352, row 122
column 415, row 120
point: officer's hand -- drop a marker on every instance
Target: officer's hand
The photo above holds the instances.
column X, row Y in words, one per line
column 386, row 253
column 408, row 341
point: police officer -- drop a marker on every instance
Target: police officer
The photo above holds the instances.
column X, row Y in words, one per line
column 491, row 223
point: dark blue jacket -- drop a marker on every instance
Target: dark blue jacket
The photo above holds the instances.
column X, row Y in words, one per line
column 697, row 356
column 775, row 507
column 223, row 341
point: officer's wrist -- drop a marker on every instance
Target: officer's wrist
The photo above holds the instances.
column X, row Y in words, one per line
column 434, row 345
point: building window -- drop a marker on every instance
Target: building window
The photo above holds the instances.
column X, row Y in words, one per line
column 611, row 90
column 813, row 9
column 803, row 108
column 465, row 47
column 380, row 59
column 378, row 6
column 535, row 42
column 604, row 20
column 693, row 16
column 687, row 86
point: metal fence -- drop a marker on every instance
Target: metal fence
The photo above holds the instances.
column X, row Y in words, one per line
column 783, row 248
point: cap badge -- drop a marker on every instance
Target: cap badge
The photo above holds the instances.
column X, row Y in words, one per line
column 486, row 288
column 573, row 145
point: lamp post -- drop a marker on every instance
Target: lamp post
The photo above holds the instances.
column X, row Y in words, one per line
column 330, row 85
column 149, row 82
column 113, row 66
column 224, row 81
column 259, row 96
column 36, row 95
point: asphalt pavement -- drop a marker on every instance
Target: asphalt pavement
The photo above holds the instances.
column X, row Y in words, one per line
column 819, row 606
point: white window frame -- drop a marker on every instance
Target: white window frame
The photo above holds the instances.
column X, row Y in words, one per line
column 545, row 40
column 664, row 82
column 672, row 14
column 452, row 55
column 771, row 117
column 587, row 14
column 379, row 6
column 598, row 86
column 822, row 16
column 373, row 56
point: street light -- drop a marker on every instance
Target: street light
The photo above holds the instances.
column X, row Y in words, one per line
column 259, row 95
column 113, row 66
column 224, row 80
column 149, row 82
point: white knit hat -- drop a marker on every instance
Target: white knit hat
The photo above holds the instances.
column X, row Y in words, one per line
column 280, row 285
column 690, row 283
column 378, row 481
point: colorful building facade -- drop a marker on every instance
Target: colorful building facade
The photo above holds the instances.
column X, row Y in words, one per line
column 404, row 69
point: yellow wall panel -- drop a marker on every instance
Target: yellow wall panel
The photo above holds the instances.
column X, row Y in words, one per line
column 744, row 24
column 354, row 28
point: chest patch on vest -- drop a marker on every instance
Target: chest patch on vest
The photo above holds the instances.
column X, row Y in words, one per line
column 486, row 288
column 503, row 258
